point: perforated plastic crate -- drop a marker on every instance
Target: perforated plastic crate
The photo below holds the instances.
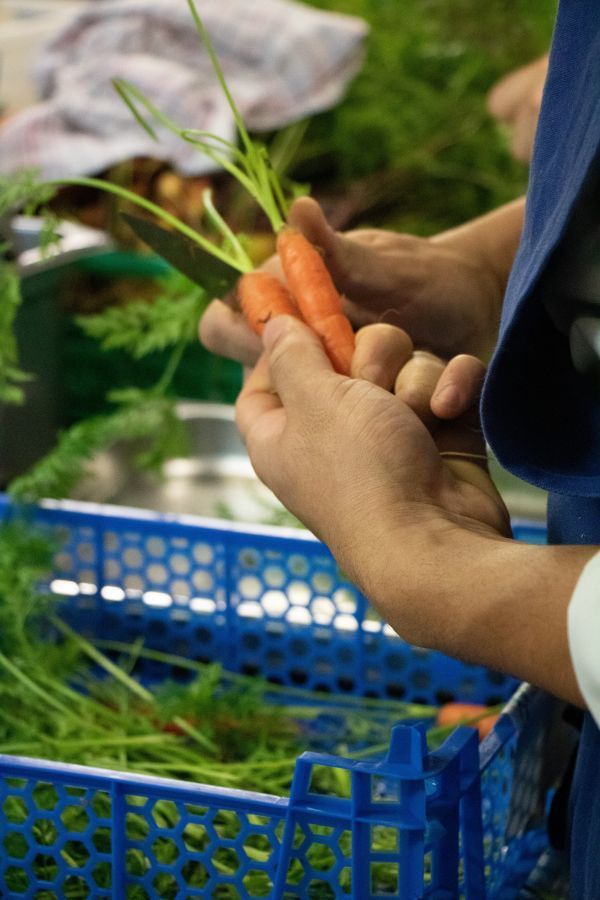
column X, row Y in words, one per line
column 466, row 820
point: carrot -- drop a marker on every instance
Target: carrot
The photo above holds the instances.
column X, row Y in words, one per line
column 467, row 714
column 319, row 302
column 263, row 296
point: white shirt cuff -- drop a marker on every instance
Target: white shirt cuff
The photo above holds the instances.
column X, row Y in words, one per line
column 583, row 626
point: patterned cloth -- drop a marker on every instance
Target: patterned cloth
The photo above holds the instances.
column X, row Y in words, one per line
column 283, row 61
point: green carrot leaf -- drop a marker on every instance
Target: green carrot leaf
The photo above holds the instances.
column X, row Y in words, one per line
column 11, row 376
column 140, row 327
column 57, row 473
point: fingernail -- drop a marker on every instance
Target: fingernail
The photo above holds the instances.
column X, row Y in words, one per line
column 274, row 330
column 449, row 397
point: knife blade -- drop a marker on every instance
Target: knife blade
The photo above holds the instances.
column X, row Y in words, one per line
column 215, row 276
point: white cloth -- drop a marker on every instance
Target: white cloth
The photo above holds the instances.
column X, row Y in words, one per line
column 283, row 61
column 583, row 624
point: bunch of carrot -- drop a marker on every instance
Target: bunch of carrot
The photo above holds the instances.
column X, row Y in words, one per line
column 310, row 295
column 483, row 718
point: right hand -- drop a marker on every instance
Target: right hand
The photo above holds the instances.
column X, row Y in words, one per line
column 448, row 301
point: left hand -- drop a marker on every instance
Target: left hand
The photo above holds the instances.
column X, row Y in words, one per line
column 425, row 541
column 516, row 101
column 355, row 463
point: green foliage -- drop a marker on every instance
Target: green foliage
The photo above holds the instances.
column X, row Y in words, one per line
column 23, row 192
column 19, row 192
column 11, row 376
column 49, row 234
column 140, row 327
column 412, row 145
column 142, row 414
column 25, row 556
column 63, row 698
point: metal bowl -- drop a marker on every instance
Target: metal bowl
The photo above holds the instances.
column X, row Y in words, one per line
column 215, row 480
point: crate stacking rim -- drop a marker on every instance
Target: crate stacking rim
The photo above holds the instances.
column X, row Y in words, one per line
column 463, row 821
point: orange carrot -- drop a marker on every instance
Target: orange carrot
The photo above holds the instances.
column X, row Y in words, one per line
column 319, row 302
column 263, row 296
column 467, row 714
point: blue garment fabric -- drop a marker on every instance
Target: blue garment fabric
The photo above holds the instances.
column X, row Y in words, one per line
column 576, row 520
column 541, row 417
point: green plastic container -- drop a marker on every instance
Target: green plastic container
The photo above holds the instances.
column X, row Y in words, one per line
column 73, row 375
column 91, row 372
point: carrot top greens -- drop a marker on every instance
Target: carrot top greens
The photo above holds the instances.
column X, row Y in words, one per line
column 249, row 163
column 140, row 328
column 67, row 699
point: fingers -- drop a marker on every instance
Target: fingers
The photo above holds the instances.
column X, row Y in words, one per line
column 515, row 88
column 307, row 216
column 456, row 403
column 260, row 418
column 458, row 388
column 381, row 352
column 416, row 383
column 296, row 360
column 524, row 126
column 284, row 384
column 516, row 101
column 224, row 331
column 353, row 259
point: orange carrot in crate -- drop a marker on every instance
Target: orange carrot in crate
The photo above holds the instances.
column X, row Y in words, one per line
column 467, row 714
column 263, row 296
column 318, row 300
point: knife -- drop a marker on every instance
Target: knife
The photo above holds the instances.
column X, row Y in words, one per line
column 214, row 275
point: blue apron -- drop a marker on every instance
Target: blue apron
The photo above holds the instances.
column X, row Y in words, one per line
column 540, row 415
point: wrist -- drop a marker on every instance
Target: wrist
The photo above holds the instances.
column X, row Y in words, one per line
column 483, row 599
column 421, row 574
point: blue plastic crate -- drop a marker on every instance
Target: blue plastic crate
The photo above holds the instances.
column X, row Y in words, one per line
column 466, row 820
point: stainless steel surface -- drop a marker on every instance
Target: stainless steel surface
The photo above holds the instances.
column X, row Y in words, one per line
column 29, row 431
column 215, row 480
column 75, row 241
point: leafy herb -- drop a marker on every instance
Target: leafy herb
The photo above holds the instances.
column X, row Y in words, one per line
column 23, row 191
column 11, row 376
column 143, row 414
column 140, row 327
column 67, row 700
column 412, row 147
column 25, row 556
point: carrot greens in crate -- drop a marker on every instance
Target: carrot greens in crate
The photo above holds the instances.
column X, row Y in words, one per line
column 214, row 260
column 65, row 699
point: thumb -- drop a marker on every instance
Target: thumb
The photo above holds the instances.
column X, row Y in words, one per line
column 307, row 216
column 353, row 260
column 296, row 357
column 339, row 251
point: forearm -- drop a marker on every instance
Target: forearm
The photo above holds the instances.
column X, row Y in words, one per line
column 493, row 238
column 499, row 603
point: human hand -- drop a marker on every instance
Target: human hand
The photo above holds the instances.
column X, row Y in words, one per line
column 445, row 397
column 445, row 295
column 355, row 463
column 516, row 100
